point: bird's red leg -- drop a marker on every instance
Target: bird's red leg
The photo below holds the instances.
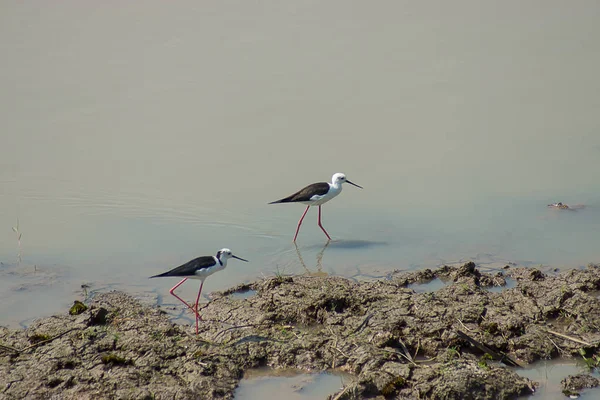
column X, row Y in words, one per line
column 300, row 223
column 321, row 226
column 172, row 291
column 197, row 300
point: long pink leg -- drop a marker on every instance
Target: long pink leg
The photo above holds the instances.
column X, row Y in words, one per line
column 172, row 291
column 197, row 300
column 300, row 222
column 321, row 226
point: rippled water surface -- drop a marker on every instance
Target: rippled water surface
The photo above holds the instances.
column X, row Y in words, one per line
column 138, row 136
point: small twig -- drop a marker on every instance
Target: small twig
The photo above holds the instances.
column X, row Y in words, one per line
column 463, row 325
column 9, row 348
column 342, row 353
column 238, row 327
column 400, row 354
column 340, row 394
column 362, row 324
column 405, row 349
column 48, row 340
column 334, row 346
column 495, row 355
column 38, row 343
column 560, row 351
column 570, row 338
column 417, row 350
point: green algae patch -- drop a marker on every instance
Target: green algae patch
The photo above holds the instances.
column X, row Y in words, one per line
column 77, row 308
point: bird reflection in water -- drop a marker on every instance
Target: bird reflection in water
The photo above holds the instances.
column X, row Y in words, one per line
column 319, row 271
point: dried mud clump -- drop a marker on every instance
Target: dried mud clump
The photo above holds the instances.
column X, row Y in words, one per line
column 396, row 343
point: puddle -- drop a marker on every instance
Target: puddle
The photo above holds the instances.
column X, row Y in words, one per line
column 549, row 373
column 510, row 283
column 427, row 287
column 291, row 384
column 243, row 294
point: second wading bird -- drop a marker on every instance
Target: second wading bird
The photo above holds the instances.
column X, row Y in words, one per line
column 198, row 268
column 317, row 194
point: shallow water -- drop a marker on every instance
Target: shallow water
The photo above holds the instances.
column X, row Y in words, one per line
column 128, row 151
column 289, row 384
column 550, row 373
column 427, row 287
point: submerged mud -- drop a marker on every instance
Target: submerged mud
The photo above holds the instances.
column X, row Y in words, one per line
column 397, row 343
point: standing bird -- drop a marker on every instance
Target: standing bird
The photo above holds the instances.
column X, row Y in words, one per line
column 199, row 268
column 317, row 194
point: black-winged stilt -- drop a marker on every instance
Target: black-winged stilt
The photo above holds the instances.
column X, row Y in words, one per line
column 317, row 194
column 198, row 268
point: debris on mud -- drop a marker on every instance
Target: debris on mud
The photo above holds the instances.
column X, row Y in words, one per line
column 396, row 343
column 574, row 383
column 77, row 308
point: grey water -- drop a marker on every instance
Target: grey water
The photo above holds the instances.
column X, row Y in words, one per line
column 137, row 136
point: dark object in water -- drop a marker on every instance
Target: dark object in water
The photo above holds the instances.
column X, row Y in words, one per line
column 561, row 206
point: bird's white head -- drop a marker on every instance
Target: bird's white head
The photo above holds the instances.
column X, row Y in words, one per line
column 225, row 254
column 339, row 178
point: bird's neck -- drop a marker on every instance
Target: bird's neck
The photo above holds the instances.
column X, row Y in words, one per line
column 221, row 263
column 336, row 186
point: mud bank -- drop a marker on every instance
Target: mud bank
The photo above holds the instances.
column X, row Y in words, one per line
column 397, row 343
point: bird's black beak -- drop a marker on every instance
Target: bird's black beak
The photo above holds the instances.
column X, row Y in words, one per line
column 232, row 256
column 353, row 184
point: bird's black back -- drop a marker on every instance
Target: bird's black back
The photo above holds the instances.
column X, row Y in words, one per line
column 190, row 267
column 305, row 194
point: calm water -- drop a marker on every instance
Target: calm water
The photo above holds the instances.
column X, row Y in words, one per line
column 138, row 136
column 549, row 374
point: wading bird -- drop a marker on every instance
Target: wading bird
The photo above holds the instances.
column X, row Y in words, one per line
column 317, row 194
column 198, row 268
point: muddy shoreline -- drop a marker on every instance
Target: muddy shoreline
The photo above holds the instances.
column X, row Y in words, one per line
column 396, row 343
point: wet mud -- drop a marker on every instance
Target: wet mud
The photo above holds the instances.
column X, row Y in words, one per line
column 453, row 343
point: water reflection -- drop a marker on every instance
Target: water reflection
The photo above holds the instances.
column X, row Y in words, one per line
column 550, row 373
column 319, row 271
column 124, row 196
column 428, row 286
column 267, row 384
column 352, row 244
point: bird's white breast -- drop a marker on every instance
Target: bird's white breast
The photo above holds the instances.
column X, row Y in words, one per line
column 317, row 200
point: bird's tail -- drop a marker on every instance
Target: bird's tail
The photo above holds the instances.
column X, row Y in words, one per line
column 160, row 275
column 286, row 200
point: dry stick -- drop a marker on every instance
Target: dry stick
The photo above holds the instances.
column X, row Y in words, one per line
column 362, row 324
column 570, row 338
column 498, row 356
column 463, row 325
column 417, row 350
column 555, row 345
column 38, row 343
column 400, row 354
column 405, row 349
column 340, row 394
column 9, row 348
column 238, row 327
column 334, row 345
